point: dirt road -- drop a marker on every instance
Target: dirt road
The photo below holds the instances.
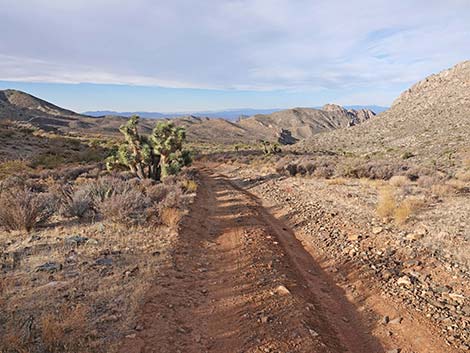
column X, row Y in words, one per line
column 242, row 282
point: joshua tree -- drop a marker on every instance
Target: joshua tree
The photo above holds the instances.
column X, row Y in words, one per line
column 270, row 147
column 167, row 141
column 152, row 157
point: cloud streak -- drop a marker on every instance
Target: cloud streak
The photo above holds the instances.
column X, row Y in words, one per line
column 232, row 44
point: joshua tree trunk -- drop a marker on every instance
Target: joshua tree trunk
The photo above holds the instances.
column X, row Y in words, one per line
column 164, row 170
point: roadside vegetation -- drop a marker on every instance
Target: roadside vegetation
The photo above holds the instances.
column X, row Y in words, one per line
column 81, row 244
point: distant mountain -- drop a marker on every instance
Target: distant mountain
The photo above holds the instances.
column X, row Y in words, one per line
column 231, row 114
column 375, row 108
column 224, row 114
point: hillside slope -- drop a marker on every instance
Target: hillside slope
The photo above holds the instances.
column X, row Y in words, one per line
column 427, row 123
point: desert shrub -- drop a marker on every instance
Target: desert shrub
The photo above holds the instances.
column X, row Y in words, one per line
column 280, row 166
column 387, row 203
column 378, row 170
column 47, row 160
column 76, row 202
column 105, row 187
column 127, row 207
column 426, row 181
column 291, row 169
column 173, row 199
column 23, row 209
column 443, row 189
column 324, row 170
column 398, row 180
column 310, row 168
column 70, row 174
column 170, row 180
column 13, row 168
column 157, row 193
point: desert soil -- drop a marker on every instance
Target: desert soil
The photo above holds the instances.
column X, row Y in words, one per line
column 241, row 280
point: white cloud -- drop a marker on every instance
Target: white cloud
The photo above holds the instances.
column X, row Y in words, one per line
column 232, row 44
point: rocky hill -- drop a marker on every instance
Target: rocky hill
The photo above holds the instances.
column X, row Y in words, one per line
column 17, row 105
column 427, row 123
column 303, row 123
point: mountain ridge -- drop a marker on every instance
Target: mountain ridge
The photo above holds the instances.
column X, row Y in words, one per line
column 229, row 114
column 301, row 122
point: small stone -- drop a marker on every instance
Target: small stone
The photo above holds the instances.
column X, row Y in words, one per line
column 413, row 236
column 92, row 241
column 49, row 267
column 182, row 330
column 354, row 237
column 105, row 261
column 76, row 240
column 404, row 281
column 377, row 230
column 396, row 321
column 385, row 320
column 313, row 333
column 282, row 290
column 34, row 238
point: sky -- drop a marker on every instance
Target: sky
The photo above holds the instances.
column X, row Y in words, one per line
column 181, row 55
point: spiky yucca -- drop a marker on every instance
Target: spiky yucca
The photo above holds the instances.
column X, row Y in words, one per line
column 157, row 156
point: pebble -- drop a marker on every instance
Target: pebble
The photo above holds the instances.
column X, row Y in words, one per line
column 404, row 281
column 282, row 290
column 49, row 267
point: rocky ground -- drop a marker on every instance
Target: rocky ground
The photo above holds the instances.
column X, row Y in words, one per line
column 420, row 266
column 77, row 285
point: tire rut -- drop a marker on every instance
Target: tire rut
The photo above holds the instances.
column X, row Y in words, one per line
column 241, row 282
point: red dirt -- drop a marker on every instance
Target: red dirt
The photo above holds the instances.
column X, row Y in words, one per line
column 222, row 294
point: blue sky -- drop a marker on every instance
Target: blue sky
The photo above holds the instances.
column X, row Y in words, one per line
column 185, row 55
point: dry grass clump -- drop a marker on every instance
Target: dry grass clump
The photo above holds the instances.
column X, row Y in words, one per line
column 23, row 209
column 387, row 202
column 170, row 216
column 337, row 181
column 389, row 207
column 64, row 331
column 189, row 186
column 406, row 209
column 449, row 188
